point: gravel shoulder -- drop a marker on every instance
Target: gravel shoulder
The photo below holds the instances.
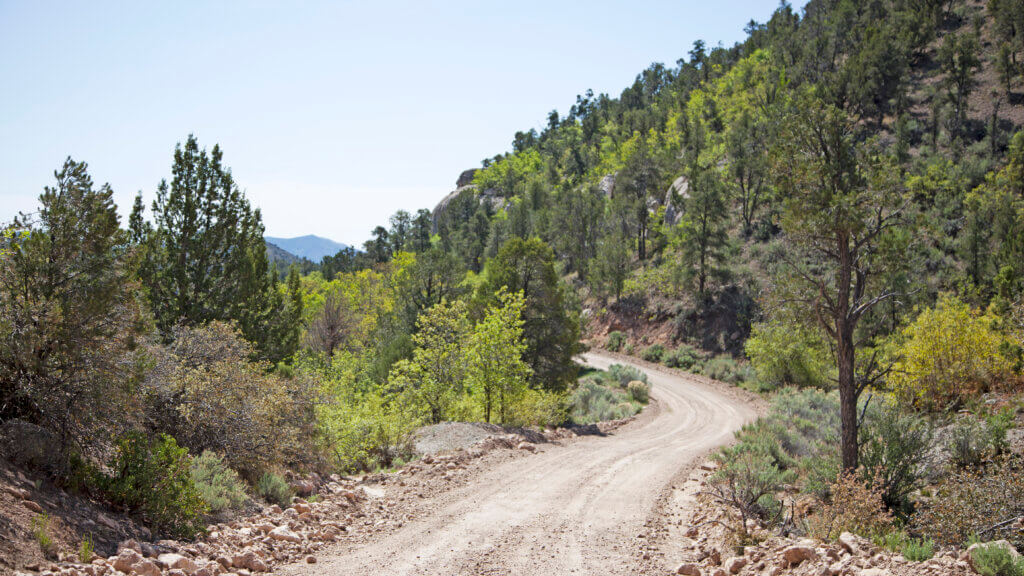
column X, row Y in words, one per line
column 589, row 506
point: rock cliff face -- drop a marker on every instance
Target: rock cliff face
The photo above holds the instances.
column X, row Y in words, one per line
column 463, row 183
column 491, row 196
column 678, row 191
column 466, row 178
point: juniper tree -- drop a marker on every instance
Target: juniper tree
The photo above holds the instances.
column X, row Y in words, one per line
column 205, row 257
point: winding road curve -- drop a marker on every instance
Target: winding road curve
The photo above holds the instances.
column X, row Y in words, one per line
column 574, row 509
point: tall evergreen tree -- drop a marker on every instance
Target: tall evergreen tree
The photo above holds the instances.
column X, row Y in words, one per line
column 840, row 203
column 205, row 257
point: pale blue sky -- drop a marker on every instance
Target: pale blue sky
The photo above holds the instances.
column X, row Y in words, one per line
column 332, row 115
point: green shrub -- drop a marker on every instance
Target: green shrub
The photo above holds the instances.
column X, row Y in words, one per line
column 86, row 549
column 152, row 478
column 995, row 560
column 591, row 402
column 724, row 368
column 682, row 357
column 947, row 355
column 640, row 391
column 785, row 355
column 894, row 448
column 274, row 489
column 218, row 484
column 537, row 408
column 623, row 375
column 41, row 532
column 654, row 353
column 918, row 550
column 616, row 340
column 968, row 443
column 747, row 482
column 998, row 425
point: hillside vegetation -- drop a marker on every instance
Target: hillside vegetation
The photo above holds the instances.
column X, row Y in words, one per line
column 835, row 203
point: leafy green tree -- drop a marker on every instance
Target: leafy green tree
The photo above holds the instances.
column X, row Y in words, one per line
column 994, row 243
column 205, row 258
column 70, row 314
column 435, row 276
column 947, row 354
column 495, row 369
column 787, row 354
column 840, row 202
column 346, row 260
column 704, row 235
column 284, row 327
column 434, row 378
column 550, row 330
column 378, row 249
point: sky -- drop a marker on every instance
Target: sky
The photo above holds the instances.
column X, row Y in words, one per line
column 331, row 115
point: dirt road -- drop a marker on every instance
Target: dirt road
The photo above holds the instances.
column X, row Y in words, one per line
column 574, row 509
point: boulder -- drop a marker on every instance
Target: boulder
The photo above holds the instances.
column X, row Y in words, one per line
column 852, row 544
column 282, row 533
column 129, row 545
column 689, row 569
column 249, row 561
column 735, row 564
column 125, row 559
column 465, row 178
column 18, row 493
column 146, row 568
column 177, row 562
column 303, row 487
column 794, row 555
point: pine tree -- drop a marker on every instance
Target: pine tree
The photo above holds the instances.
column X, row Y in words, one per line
column 206, row 258
column 840, row 204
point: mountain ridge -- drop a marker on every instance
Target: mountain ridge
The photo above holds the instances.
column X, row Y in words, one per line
column 310, row 246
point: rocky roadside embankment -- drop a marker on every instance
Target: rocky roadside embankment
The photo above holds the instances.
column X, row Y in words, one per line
column 689, row 535
column 338, row 509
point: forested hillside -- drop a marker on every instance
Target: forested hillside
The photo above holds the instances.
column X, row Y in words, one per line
column 835, row 204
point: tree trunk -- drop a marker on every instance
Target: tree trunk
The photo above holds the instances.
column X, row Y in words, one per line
column 846, row 354
column 487, row 405
column 847, row 398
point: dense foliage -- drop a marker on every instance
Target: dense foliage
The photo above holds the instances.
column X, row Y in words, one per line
column 838, row 199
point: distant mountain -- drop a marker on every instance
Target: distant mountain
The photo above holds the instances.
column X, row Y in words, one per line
column 277, row 254
column 311, row 247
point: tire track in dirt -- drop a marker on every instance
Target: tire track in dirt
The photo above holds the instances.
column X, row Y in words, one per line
column 574, row 509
